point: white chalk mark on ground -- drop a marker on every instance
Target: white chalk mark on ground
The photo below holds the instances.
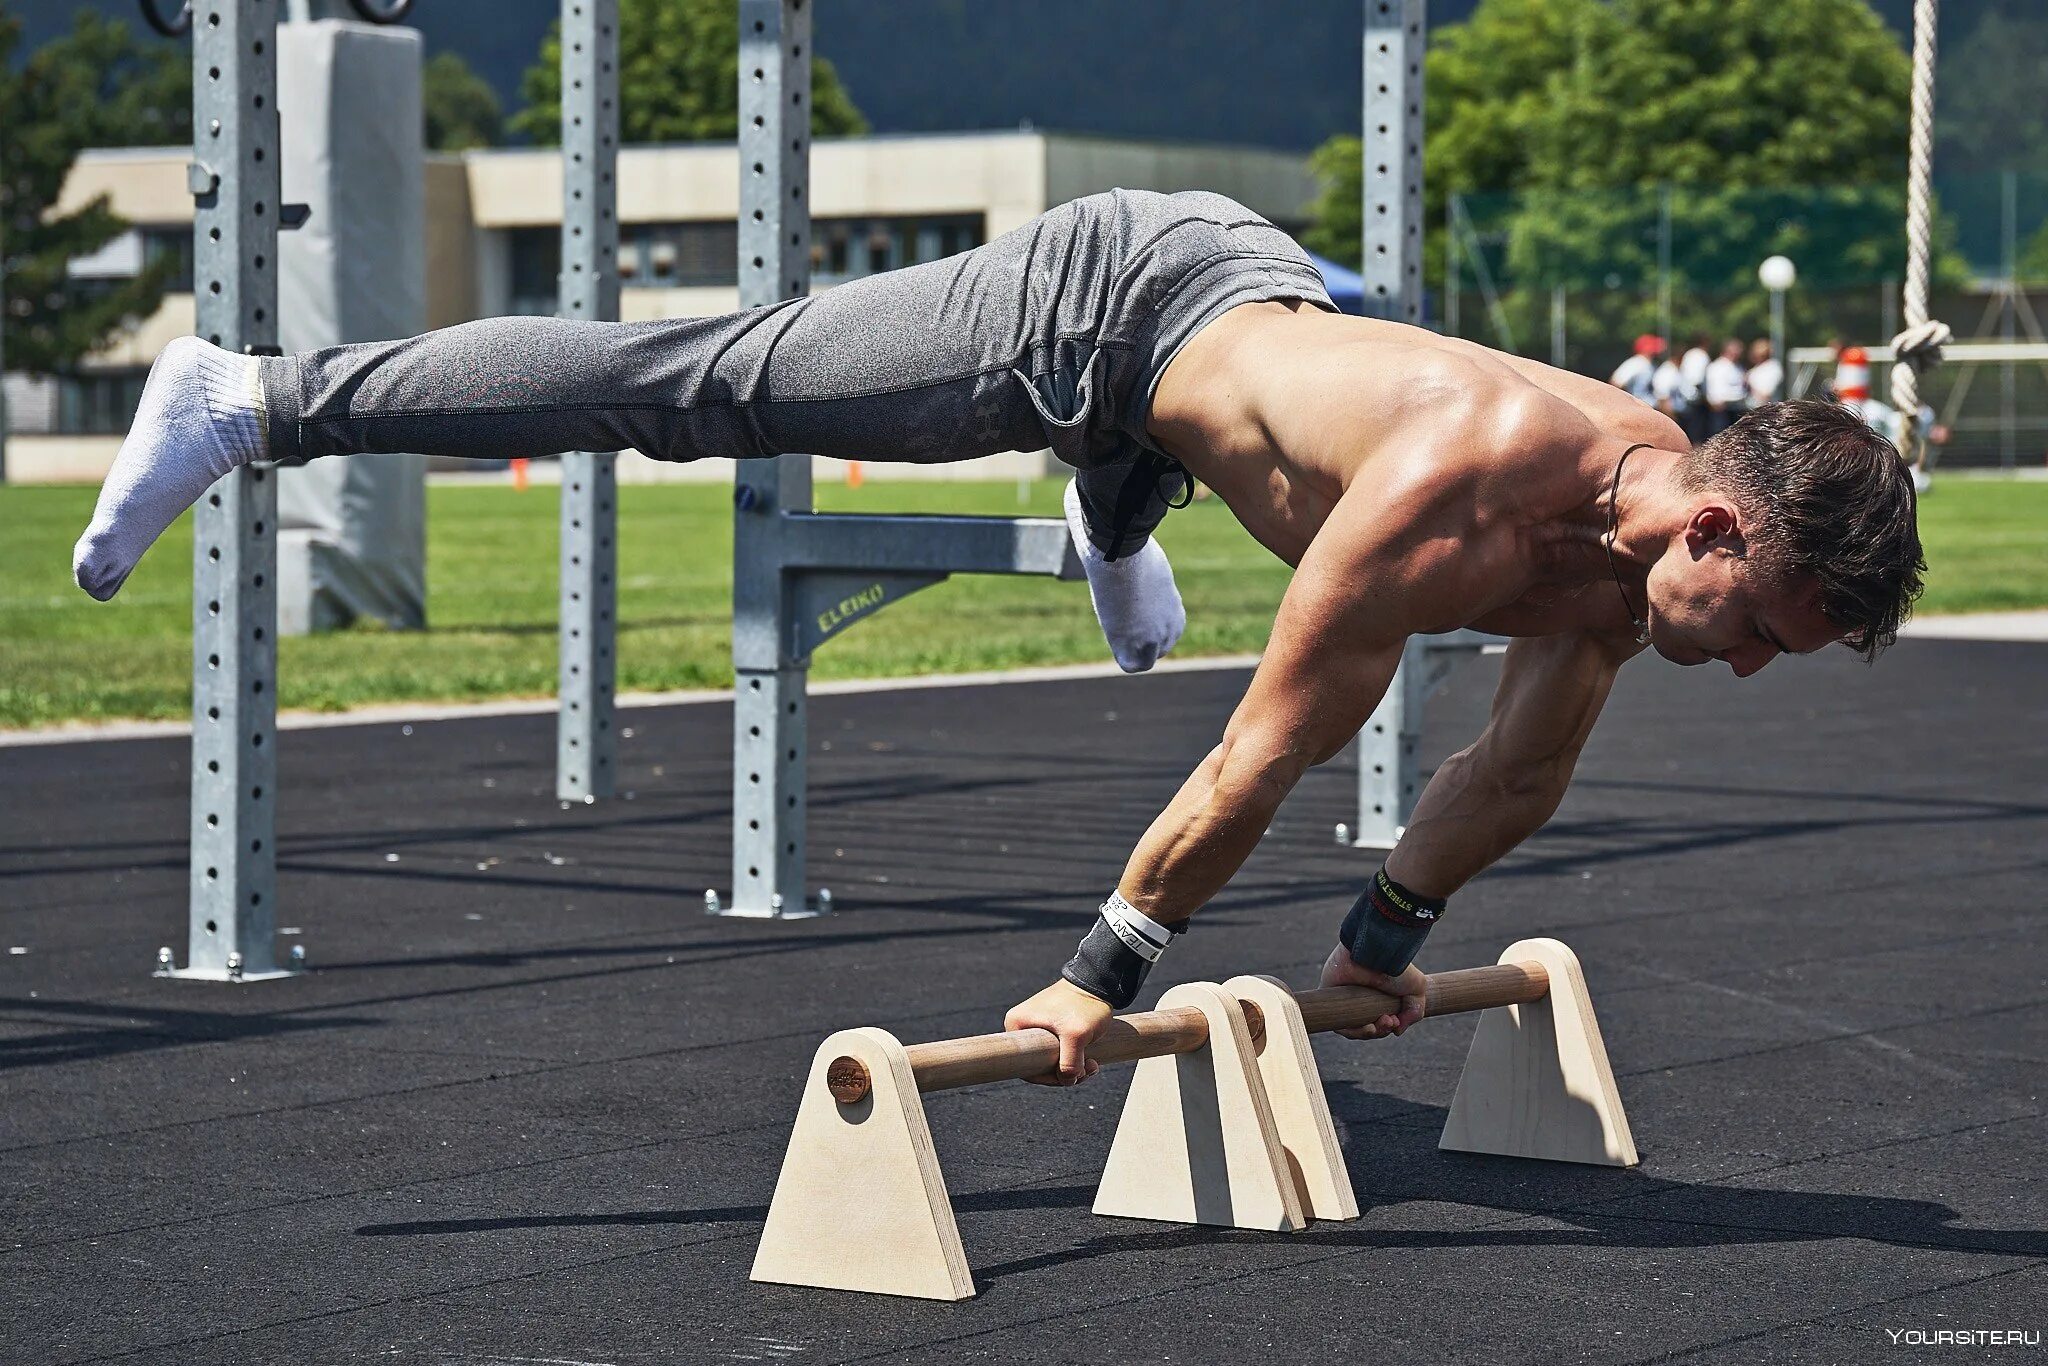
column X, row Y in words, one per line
column 763, row 1349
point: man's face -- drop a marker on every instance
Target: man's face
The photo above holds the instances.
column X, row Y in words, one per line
column 1709, row 600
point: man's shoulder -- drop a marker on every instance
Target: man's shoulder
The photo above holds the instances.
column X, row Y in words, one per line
column 1532, row 423
column 1515, row 454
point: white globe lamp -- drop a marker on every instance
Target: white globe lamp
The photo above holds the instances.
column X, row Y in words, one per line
column 1778, row 275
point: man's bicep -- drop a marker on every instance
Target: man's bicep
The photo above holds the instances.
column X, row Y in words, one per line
column 1551, row 692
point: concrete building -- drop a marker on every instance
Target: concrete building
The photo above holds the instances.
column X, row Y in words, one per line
column 494, row 223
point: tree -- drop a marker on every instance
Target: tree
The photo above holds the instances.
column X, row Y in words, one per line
column 91, row 87
column 2033, row 258
column 678, row 78
column 1569, row 128
column 1990, row 114
column 145, row 91
column 461, row 109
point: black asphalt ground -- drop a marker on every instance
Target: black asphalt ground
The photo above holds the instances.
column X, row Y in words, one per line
column 533, row 1111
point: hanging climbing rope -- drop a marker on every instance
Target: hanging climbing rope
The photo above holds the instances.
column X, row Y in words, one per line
column 1917, row 349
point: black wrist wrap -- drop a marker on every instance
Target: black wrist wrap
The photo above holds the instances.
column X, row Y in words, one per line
column 1107, row 967
column 1387, row 924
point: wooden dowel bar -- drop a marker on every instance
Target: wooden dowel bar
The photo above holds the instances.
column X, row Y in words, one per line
column 1016, row 1054
column 1450, row 993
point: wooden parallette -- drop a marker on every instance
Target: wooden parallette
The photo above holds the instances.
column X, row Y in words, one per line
column 1225, row 1122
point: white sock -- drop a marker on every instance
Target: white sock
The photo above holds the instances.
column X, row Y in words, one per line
column 201, row 416
column 1135, row 597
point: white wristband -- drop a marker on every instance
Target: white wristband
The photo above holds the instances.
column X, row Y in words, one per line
column 1143, row 935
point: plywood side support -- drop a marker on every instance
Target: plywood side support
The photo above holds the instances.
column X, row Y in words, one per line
column 1196, row 1144
column 1537, row 1082
column 861, row 1203
column 1294, row 1094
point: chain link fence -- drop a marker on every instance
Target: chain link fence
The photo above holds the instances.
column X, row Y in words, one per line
column 1573, row 278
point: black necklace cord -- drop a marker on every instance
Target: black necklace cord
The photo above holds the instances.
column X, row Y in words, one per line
column 1613, row 529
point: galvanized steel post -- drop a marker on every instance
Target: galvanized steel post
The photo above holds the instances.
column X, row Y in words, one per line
column 586, row 743
column 1396, row 34
column 769, row 706
column 234, row 182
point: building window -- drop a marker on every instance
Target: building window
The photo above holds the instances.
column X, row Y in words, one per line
column 847, row 248
column 536, row 270
column 175, row 243
column 126, row 255
column 102, row 403
column 692, row 255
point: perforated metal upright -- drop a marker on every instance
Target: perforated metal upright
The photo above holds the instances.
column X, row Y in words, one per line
column 234, row 182
column 585, row 740
column 1396, row 37
column 799, row 576
column 769, row 731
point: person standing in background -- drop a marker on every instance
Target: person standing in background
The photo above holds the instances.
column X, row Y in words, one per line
column 1667, row 394
column 1766, row 375
column 1692, row 368
column 1727, row 388
column 1633, row 375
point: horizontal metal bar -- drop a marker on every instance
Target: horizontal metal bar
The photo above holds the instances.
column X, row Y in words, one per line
column 1957, row 352
column 953, row 545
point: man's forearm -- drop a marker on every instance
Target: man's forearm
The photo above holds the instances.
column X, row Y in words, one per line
column 1467, row 818
column 1197, row 844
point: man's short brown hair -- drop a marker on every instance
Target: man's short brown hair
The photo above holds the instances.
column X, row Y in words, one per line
column 1833, row 504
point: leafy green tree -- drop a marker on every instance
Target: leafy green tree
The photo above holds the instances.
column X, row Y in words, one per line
column 1569, row 128
column 145, row 90
column 2033, row 262
column 678, row 78
column 95, row 86
column 1991, row 116
column 1336, row 228
column 461, row 109
column 1991, row 120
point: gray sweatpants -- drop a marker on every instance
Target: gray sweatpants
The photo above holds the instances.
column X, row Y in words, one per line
column 1054, row 334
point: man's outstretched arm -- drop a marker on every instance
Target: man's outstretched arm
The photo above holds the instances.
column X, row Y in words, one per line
column 1498, row 791
column 1484, row 801
column 1387, row 564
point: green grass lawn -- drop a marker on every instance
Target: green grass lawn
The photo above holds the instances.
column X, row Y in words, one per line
column 491, row 599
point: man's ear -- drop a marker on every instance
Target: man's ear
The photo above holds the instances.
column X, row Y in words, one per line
column 1716, row 526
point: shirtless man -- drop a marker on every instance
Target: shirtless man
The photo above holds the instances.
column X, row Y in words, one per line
column 1417, row 483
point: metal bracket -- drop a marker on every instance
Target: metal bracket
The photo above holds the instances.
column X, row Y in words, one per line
column 821, row 904
column 824, row 604
column 920, row 543
column 230, row 971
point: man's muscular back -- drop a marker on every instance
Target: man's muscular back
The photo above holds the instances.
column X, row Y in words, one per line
column 1282, row 408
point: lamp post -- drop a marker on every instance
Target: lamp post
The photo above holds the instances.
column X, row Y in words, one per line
column 1777, row 275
